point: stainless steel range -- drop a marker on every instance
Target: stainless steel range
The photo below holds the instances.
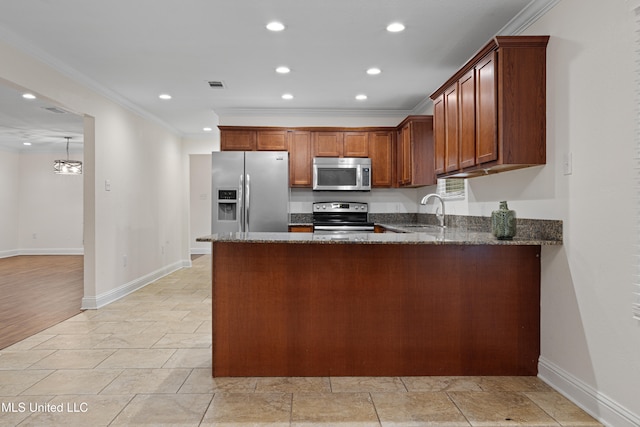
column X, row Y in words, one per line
column 341, row 217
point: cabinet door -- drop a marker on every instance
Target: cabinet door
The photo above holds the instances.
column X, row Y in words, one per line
column 272, row 140
column 404, row 152
column 300, row 159
column 451, row 128
column 486, row 110
column 467, row 98
column 355, row 144
column 327, row 144
column 237, row 140
column 380, row 150
column 439, row 134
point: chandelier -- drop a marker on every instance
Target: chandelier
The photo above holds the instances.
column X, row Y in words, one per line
column 67, row 167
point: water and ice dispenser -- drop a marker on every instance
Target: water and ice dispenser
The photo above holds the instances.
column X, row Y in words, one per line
column 227, row 204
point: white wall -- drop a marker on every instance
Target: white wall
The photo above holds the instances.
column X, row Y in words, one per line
column 9, row 199
column 133, row 233
column 590, row 343
column 41, row 211
column 50, row 206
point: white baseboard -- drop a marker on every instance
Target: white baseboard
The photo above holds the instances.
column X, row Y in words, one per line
column 42, row 251
column 92, row 303
column 201, row 251
column 596, row 404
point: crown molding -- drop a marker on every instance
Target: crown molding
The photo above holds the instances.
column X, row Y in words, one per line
column 308, row 112
column 527, row 16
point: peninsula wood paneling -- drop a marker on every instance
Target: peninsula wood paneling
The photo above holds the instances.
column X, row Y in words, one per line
column 369, row 310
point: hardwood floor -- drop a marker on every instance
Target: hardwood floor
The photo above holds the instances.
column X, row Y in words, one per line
column 37, row 292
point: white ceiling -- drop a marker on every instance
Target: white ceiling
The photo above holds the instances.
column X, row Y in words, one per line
column 132, row 51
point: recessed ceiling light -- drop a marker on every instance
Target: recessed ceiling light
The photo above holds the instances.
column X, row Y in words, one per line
column 26, row 143
column 275, row 26
column 287, row 96
column 361, row 97
column 374, row 71
column 207, row 129
column 28, row 96
column 164, row 96
column 283, row 70
column 395, row 27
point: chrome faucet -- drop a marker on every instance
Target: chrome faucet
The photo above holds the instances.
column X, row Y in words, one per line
column 440, row 215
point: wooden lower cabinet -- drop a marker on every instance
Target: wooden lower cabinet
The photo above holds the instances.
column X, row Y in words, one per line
column 312, row 309
column 301, row 228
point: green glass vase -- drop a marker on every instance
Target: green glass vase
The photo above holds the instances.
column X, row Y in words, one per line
column 503, row 222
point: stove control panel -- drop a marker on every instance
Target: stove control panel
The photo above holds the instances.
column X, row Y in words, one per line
column 340, row 207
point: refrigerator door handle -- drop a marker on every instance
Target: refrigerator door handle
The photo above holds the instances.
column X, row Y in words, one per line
column 241, row 203
column 247, row 200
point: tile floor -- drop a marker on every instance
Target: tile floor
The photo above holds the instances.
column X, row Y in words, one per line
column 146, row 360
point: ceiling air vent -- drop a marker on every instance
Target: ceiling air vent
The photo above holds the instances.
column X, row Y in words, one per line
column 56, row 110
column 216, row 84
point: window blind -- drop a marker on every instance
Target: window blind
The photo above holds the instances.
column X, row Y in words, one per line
column 451, row 188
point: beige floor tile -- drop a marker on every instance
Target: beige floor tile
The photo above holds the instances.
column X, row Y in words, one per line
column 441, row 383
column 205, row 328
column 80, row 410
column 343, row 409
column 21, row 359
column 513, row 384
column 162, row 315
column 12, row 383
column 137, row 358
column 73, row 381
column 125, row 340
column 201, row 381
column 181, row 327
column 73, row 359
column 147, row 381
column 190, row 358
column 184, row 341
column 561, row 409
column 73, row 342
column 122, row 327
column 164, row 409
column 293, row 385
column 417, row 409
column 366, row 384
column 500, row 408
column 249, row 409
column 110, row 315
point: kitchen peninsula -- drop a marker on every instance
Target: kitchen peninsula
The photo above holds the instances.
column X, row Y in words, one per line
column 434, row 302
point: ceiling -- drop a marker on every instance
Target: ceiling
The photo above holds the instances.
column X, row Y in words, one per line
column 133, row 51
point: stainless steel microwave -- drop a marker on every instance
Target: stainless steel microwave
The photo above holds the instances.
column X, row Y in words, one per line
column 341, row 174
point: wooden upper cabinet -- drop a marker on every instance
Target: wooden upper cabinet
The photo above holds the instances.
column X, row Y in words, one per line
column 355, row 144
column 452, row 142
column 272, row 140
column 467, row 115
column 237, row 139
column 486, row 120
column 327, row 143
column 415, row 152
column 300, row 157
column 501, row 108
column 439, row 134
column 381, row 152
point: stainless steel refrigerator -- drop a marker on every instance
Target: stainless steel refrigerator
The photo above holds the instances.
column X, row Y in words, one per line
column 250, row 191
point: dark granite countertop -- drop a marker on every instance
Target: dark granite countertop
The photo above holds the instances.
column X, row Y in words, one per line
column 415, row 229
